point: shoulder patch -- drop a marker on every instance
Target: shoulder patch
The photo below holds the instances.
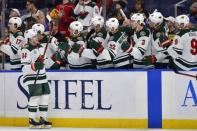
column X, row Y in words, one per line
column 100, row 34
column 143, row 33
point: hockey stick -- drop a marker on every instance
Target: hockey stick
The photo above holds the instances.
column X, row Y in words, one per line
column 45, row 50
column 123, row 14
column 173, row 66
column 185, row 74
column 100, row 10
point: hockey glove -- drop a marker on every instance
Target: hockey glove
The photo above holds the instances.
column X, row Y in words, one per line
column 77, row 48
column 37, row 66
column 57, row 58
column 149, row 60
column 126, row 47
column 65, row 47
column 96, row 46
column 165, row 41
column 40, row 58
column 83, row 15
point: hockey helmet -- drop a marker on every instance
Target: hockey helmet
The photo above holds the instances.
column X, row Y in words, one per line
column 76, row 27
column 98, row 20
column 137, row 17
column 112, row 24
column 29, row 34
column 156, row 18
column 39, row 28
column 182, row 19
column 15, row 21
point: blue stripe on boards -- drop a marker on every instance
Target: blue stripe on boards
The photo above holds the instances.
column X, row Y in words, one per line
column 154, row 99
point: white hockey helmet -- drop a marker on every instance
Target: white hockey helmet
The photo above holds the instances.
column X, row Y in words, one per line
column 39, row 28
column 138, row 17
column 29, row 34
column 112, row 24
column 76, row 26
column 15, row 21
column 98, row 20
column 156, row 18
column 182, row 19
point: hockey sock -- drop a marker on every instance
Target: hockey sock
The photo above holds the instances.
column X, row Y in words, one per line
column 43, row 107
column 32, row 106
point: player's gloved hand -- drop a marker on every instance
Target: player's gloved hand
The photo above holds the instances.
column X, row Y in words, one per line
column 149, row 60
column 96, row 46
column 65, row 47
column 6, row 40
column 57, row 58
column 40, row 58
column 165, row 41
column 77, row 48
column 126, row 47
column 37, row 66
column 82, row 15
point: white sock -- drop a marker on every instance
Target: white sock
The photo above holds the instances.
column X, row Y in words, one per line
column 43, row 106
column 32, row 106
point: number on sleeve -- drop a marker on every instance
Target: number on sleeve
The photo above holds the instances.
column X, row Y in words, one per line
column 194, row 47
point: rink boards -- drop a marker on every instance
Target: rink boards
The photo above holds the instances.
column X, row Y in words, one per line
column 114, row 99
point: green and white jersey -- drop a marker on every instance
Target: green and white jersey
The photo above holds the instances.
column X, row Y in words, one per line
column 142, row 47
column 29, row 55
column 160, row 52
column 116, row 40
column 102, row 36
column 184, row 49
column 13, row 49
column 75, row 60
column 123, row 60
column 104, row 60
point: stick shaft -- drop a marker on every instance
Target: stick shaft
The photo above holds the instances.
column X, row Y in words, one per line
column 50, row 34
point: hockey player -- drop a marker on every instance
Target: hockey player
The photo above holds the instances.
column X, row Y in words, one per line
column 100, row 32
column 98, row 42
column 80, row 57
column 141, row 41
column 32, row 60
column 15, row 42
column 53, row 59
column 159, row 56
column 118, row 36
column 86, row 10
column 184, row 47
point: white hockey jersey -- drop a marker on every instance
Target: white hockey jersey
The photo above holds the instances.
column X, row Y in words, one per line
column 184, row 49
column 80, row 62
column 13, row 49
column 29, row 55
column 141, row 43
column 160, row 52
